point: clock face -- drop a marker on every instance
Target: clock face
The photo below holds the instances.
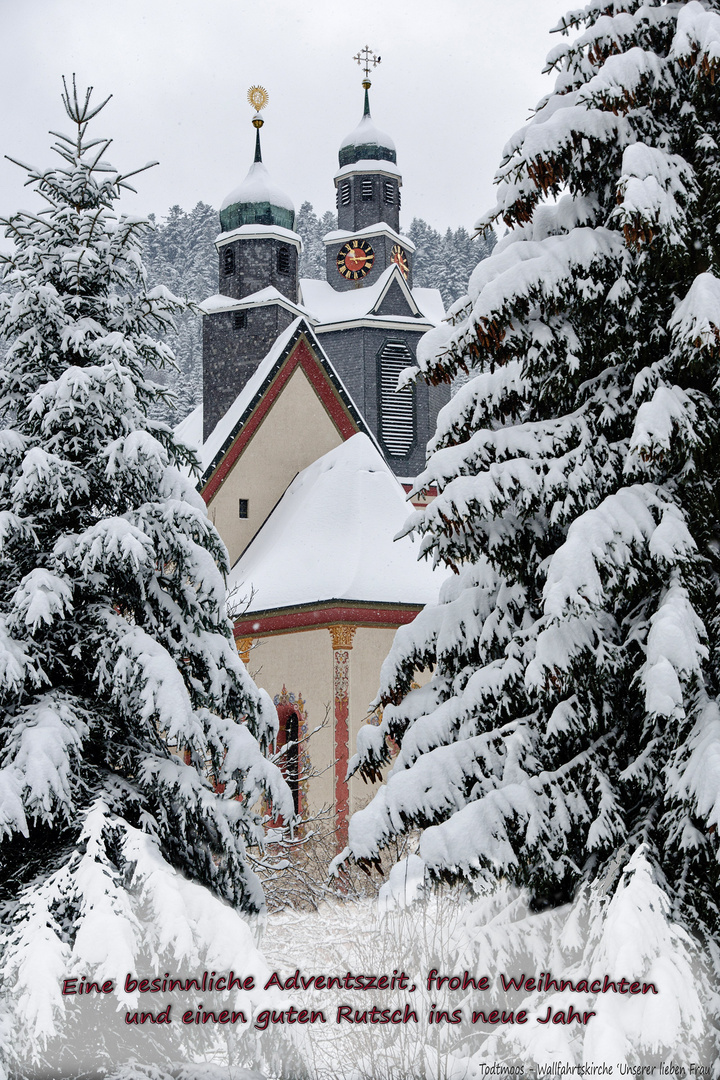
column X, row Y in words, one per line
column 355, row 259
column 399, row 256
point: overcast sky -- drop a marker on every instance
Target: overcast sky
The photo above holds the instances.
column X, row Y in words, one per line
column 457, row 78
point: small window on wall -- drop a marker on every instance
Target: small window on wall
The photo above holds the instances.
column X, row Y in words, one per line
column 229, row 260
column 345, row 193
column 283, row 260
column 242, row 508
column 389, row 192
column 367, row 189
column 240, row 320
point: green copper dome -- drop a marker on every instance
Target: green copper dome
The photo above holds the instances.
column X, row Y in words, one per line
column 258, row 201
column 366, row 142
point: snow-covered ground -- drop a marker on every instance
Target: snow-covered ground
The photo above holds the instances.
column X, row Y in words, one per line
column 492, row 935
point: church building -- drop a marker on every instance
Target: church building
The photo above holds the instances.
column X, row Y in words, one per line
column 308, row 450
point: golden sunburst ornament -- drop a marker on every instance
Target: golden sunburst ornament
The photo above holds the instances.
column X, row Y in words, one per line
column 258, row 97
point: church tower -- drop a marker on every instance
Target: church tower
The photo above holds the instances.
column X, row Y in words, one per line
column 368, row 183
column 258, row 290
column 370, row 317
column 366, row 314
column 367, row 196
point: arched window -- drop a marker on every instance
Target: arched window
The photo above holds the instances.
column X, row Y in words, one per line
column 397, row 407
column 292, row 757
column 283, row 260
column 229, row 260
column 288, row 739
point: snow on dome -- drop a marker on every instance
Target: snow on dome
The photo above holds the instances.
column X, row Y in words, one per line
column 257, row 187
column 331, row 537
column 366, row 141
column 257, row 201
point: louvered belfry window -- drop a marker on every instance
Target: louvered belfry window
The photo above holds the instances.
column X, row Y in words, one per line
column 397, row 412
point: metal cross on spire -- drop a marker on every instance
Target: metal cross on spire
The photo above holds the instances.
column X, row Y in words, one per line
column 367, row 59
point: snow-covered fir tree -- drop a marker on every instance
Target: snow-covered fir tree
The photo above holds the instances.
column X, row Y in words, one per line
column 131, row 737
column 569, row 736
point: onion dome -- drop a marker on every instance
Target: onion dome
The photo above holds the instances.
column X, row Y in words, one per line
column 258, row 201
column 366, row 142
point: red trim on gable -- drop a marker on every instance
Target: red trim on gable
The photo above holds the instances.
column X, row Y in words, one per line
column 423, row 497
column 288, row 620
column 300, row 356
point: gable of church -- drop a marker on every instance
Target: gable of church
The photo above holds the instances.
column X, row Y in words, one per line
column 298, row 411
column 396, row 301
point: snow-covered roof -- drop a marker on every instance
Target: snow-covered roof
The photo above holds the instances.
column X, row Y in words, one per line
column 189, row 431
column 256, row 229
column 258, row 187
column 431, row 304
column 368, row 165
column 258, row 201
column 225, row 426
column 367, row 134
column 381, row 228
column 331, row 537
column 262, row 297
column 328, row 306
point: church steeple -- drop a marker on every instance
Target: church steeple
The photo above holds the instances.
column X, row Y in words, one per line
column 258, row 201
column 367, row 239
column 368, row 182
column 258, row 290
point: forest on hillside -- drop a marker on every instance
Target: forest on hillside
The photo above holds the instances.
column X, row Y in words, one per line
column 180, row 254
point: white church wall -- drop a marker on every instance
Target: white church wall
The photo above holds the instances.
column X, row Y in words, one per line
column 295, row 432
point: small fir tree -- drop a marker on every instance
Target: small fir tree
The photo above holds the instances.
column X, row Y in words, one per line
column 125, row 708
column 571, row 726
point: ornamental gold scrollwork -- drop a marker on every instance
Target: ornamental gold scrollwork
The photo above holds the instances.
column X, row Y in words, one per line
column 342, row 636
